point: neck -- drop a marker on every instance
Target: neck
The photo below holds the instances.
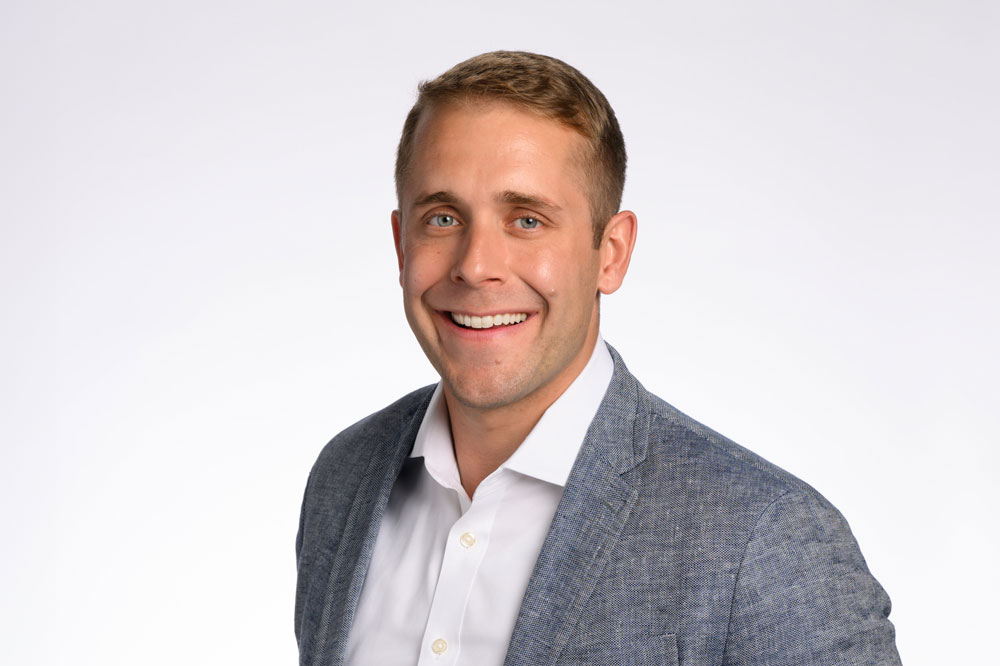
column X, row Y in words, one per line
column 485, row 438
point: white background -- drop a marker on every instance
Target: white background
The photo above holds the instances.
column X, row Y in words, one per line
column 198, row 287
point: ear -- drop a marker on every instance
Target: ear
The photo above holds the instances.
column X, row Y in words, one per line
column 397, row 238
column 616, row 250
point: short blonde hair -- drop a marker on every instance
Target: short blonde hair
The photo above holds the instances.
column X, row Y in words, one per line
column 543, row 85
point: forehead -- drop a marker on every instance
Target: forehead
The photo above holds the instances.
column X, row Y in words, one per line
column 497, row 145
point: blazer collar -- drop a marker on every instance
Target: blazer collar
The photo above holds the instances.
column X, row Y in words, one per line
column 357, row 542
column 619, row 433
column 595, row 504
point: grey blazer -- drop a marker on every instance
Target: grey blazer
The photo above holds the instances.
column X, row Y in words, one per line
column 671, row 545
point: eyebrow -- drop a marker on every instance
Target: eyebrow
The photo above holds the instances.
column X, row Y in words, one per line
column 441, row 197
column 522, row 199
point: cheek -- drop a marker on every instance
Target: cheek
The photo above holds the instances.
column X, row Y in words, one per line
column 423, row 268
column 561, row 275
column 542, row 272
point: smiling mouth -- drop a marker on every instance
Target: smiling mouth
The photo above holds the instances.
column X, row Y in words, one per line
column 488, row 321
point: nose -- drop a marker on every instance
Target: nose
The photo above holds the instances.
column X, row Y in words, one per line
column 482, row 256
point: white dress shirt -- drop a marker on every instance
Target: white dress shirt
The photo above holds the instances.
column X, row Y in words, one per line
column 448, row 573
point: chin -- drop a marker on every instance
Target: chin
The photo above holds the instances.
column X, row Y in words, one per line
column 483, row 393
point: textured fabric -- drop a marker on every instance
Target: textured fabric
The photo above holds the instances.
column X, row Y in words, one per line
column 428, row 587
column 670, row 545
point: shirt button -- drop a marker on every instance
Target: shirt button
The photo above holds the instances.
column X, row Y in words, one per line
column 439, row 646
column 468, row 540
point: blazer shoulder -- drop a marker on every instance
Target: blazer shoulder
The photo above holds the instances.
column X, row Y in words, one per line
column 718, row 456
column 381, row 429
column 342, row 465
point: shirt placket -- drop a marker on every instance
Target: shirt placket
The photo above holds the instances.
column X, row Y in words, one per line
column 465, row 549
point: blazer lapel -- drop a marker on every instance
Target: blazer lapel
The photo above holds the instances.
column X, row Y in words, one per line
column 594, row 507
column 350, row 564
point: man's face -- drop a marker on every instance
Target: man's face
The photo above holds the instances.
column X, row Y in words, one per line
column 499, row 274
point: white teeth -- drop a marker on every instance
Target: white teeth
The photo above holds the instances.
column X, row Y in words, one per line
column 488, row 321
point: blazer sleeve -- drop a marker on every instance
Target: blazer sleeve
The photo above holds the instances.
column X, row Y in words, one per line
column 804, row 595
column 299, row 537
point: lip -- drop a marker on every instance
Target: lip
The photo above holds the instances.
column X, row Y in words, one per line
column 483, row 314
column 482, row 334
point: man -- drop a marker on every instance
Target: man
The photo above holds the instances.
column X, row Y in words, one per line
column 538, row 506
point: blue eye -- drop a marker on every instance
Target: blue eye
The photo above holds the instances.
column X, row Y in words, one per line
column 442, row 221
column 527, row 223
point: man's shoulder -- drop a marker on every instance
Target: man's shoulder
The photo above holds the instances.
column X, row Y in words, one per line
column 678, row 449
column 718, row 470
column 379, row 431
column 697, row 441
column 730, row 501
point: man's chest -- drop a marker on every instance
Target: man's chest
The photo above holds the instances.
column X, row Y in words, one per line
column 444, row 586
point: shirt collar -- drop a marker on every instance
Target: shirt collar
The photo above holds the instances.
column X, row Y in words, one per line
column 433, row 443
column 549, row 450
